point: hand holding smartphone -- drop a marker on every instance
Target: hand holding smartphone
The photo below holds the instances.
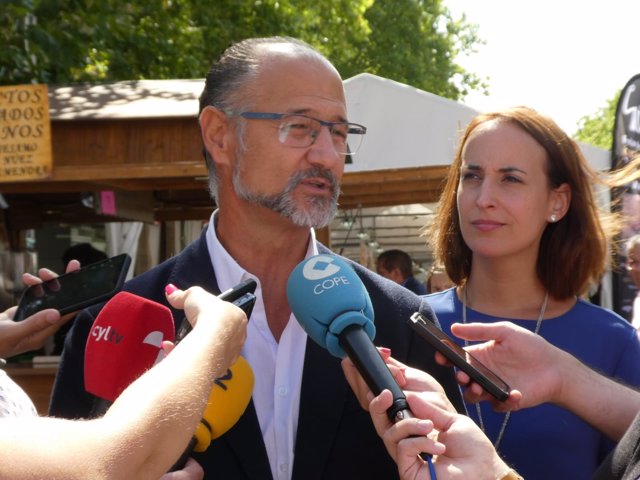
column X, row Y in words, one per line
column 457, row 355
column 94, row 283
column 241, row 295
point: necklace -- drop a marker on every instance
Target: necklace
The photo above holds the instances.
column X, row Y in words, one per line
column 543, row 309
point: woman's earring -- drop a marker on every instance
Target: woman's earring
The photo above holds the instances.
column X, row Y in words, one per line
column 553, row 218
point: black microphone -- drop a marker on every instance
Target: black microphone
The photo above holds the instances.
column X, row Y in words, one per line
column 332, row 305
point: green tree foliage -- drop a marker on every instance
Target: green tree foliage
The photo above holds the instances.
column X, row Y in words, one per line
column 416, row 42
column 597, row 129
column 67, row 41
column 103, row 40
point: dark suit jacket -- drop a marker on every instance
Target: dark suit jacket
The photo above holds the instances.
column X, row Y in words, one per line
column 416, row 286
column 335, row 437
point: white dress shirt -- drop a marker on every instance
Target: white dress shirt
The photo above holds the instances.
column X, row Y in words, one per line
column 277, row 366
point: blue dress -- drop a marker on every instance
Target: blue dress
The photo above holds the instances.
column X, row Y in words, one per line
column 547, row 442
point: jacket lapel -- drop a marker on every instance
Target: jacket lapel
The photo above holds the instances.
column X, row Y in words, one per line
column 322, row 398
column 322, row 401
column 245, row 441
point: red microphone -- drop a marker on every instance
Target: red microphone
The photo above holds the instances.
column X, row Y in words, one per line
column 124, row 342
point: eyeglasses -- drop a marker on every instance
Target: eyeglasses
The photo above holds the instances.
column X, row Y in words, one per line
column 301, row 131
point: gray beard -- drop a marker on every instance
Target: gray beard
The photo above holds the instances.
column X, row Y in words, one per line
column 317, row 212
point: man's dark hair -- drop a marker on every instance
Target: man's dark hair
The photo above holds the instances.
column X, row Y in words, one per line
column 395, row 258
column 229, row 77
column 85, row 253
column 230, row 87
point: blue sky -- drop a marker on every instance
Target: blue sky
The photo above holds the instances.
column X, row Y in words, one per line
column 565, row 58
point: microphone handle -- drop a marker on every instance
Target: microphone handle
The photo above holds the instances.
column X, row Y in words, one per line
column 401, row 414
column 180, row 463
column 100, row 407
column 365, row 356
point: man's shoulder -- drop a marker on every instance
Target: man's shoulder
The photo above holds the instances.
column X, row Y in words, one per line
column 382, row 287
column 149, row 283
column 192, row 266
column 415, row 285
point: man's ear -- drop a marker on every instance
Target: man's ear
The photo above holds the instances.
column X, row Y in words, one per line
column 217, row 136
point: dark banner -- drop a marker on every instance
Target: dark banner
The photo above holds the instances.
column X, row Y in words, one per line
column 626, row 144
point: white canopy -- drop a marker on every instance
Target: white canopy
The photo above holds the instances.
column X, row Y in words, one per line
column 408, row 127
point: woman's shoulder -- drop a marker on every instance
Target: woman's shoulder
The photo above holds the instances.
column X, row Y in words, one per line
column 587, row 323
column 602, row 339
column 442, row 302
column 591, row 319
column 448, row 294
column 590, row 311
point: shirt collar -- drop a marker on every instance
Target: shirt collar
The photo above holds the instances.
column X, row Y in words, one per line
column 228, row 272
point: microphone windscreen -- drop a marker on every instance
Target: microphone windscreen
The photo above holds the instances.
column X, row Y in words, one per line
column 124, row 342
column 326, row 296
column 228, row 400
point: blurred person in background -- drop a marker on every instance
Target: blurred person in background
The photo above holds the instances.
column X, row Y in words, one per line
column 438, row 280
column 397, row 265
column 632, row 250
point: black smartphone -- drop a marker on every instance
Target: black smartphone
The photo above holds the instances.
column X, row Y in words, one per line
column 246, row 303
column 241, row 295
column 457, row 355
column 94, row 283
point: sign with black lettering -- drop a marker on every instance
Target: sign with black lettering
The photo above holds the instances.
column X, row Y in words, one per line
column 626, row 200
column 25, row 133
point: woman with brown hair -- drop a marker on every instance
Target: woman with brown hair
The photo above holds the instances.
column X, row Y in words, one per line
column 519, row 232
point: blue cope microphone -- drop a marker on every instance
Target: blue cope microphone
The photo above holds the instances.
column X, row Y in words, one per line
column 333, row 307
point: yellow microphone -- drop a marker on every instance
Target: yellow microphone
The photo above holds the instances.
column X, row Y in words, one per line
column 228, row 400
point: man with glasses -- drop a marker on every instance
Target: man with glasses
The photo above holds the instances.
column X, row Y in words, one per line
column 276, row 133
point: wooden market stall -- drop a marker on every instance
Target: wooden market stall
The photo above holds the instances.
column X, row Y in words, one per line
column 141, row 140
column 138, row 144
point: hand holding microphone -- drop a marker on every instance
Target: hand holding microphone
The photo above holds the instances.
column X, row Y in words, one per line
column 202, row 364
column 231, row 392
column 127, row 336
column 228, row 400
column 124, row 342
column 127, row 339
column 332, row 305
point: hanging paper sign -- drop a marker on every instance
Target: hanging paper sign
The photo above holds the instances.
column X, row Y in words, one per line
column 108, row 202
column 25, row 133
